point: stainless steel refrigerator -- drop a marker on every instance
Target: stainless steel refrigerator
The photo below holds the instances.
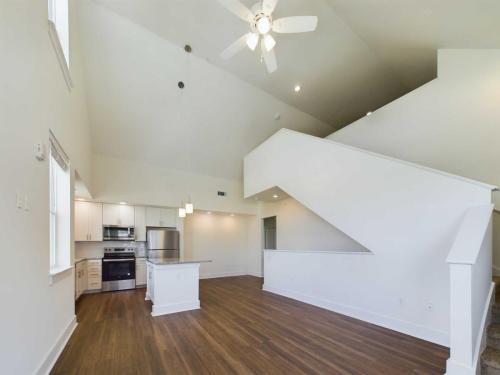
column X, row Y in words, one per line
column 162, row 243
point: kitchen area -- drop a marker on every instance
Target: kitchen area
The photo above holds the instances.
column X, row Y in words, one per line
column 122, row 247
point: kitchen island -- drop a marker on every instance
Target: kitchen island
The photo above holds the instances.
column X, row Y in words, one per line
column 173, row 284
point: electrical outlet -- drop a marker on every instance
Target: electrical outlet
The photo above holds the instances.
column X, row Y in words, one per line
column 39, row 150
column 430, row 306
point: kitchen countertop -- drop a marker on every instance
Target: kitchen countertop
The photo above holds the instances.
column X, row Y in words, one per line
column 78, row 260
column 163, row 262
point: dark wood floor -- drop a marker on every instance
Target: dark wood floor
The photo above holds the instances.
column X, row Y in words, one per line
column 239, row 330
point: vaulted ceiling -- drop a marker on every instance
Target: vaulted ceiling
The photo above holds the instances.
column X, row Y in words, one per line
column 363, row 55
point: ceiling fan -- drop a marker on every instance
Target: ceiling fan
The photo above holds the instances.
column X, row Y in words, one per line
column 261, row 25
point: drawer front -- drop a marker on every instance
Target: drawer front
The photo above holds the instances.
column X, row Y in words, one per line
column 94, row 276
column 94, row 269
column 94, row 284
column 94, row 263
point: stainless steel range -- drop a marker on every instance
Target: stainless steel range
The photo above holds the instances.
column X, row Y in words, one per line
column 118, row 268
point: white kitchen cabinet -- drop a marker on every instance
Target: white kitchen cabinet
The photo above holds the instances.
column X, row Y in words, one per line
column 161, row 217
column 80, row 279
column 118, row 214
column 140, row 223
column 94, row 274
column 140, row 271
column 88, row 221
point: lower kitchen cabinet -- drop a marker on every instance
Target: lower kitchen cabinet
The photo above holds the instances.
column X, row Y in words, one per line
column 94, row 274
column 80, row 279
column 140, row 271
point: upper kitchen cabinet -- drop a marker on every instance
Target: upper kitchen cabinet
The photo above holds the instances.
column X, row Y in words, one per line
column 118, row 214
column 88, row 221
column 140, row 223
column 161, row 217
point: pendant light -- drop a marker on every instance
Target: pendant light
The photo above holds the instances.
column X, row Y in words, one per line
column 189, row 206
column 182, row 210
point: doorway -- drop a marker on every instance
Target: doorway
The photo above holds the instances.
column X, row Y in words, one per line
column 270, row 233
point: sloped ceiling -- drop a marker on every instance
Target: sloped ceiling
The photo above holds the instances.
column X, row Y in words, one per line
column 363, row 55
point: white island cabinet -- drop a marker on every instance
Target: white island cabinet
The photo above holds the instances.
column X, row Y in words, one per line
column 173, row 285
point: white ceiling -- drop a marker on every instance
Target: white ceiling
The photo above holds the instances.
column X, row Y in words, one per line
column 405, row 34
column 341, row 77
column 365, row 53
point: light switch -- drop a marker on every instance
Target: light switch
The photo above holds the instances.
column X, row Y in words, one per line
column 19, row 200
column 26, row 202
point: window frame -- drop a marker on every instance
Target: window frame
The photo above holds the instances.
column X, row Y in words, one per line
column 61, row 43
column 60, row 211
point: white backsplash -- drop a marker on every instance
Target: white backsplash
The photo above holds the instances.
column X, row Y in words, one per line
column 96, row 249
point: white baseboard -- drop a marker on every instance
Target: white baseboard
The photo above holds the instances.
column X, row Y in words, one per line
column 222, row 274
column 255, row 273
column 56, row 350
column 408, row 328
column 175, row 307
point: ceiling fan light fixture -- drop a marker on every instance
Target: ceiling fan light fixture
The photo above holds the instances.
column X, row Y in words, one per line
column 263, row 25
column 252, row 41
column 269, row 42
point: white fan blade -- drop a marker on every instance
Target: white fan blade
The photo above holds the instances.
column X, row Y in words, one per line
column 299, row 24
column 268, row 6
column 269, row 58
column 238, row 9
column 236, row 47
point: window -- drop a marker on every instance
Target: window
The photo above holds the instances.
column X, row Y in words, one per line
column 58, row 15
column 59, row 208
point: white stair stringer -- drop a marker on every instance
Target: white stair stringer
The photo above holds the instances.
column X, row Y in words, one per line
column 405, row 214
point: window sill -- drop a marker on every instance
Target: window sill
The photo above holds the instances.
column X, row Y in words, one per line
column 56, row 43
column 57, row 273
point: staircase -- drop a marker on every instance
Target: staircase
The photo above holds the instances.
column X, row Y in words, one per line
column 490, row 359
column 429, row 236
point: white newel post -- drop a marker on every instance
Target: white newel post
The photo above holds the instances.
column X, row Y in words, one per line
column 461, row 340
column 471, row 290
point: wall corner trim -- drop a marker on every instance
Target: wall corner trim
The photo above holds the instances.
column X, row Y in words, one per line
column 56, row 350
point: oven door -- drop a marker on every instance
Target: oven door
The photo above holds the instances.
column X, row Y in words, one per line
column 118, row 269
column 118, row 274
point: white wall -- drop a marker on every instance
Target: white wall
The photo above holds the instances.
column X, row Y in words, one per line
column 206, row 128
column 221, row 238
column 33, row 98
column 450, row 123
column 298, row 228
column 405, row 214
column 118, row 180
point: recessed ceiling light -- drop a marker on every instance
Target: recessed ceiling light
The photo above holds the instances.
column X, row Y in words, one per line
column 368, row 113
column 275, row 196
column 209, row 213
column 297, row 88
column 123, row 202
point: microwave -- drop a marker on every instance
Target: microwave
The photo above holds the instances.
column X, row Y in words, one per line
column 118, row 233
